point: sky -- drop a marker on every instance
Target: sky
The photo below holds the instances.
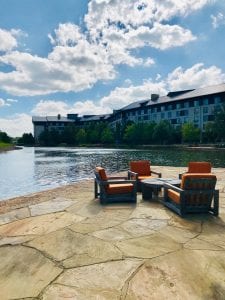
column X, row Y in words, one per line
column 90, row 57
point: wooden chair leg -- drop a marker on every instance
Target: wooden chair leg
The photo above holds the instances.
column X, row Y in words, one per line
column 216, row 203
column 96, row 189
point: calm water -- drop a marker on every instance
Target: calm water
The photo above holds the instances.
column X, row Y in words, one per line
column 34, row 169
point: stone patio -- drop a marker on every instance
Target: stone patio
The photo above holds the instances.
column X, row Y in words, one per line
column 62, row 244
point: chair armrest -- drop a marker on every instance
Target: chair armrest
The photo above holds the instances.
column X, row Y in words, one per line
column 116, row 177
column 172, row 187
column 106, row 182
column 180, row 175
column 132, row 174
column 157, row 173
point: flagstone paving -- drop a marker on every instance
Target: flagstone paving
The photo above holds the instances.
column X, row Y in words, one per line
column 62, row 244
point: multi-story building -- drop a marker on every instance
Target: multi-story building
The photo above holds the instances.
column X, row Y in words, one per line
column 196, row 105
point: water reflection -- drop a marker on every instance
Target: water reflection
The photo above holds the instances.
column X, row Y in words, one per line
column 30, row 170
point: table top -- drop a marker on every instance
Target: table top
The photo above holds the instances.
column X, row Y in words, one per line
column 161, row 181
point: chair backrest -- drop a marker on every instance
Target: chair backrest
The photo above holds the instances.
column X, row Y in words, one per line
column 141, row 167
column 101, row 173
column 197, row 181
column 199, row 167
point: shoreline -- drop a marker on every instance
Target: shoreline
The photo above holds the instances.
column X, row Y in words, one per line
column 45, row 195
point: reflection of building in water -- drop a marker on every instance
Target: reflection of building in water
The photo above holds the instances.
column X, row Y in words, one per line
column 196, row 105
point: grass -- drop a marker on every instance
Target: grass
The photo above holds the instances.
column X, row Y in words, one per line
column 5, row 146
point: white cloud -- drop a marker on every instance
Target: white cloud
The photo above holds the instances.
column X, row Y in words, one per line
column 50, row 108
column 78, row 59
column 194, row 77
column 3, row 103
column 218, row 20
column 11, row 100
column 7, row 40
column 122, row 96
column 16, row 125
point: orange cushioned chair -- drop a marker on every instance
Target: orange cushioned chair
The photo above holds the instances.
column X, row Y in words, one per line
column 196, row 194
column 141, row 170
column 114, row 189
column 198, row 167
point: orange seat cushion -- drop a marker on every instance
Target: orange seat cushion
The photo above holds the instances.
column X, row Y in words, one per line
column 187, row 176
column 101, row 173
column 144, row 177
column 120, row 188
column 175, row 196
column 199, row 167
column 142, row 167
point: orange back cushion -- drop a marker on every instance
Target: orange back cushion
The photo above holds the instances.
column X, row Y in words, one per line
column 101, row 173
column 189, row 183
column 142, row 167
column 199, row 167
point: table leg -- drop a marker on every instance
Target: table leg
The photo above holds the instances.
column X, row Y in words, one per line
column 146, row 192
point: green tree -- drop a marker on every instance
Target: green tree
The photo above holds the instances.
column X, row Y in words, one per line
column 68, row 135
column 81, row 136
column 4, row 137
column 26, row 139
column 107, row 136
column 190, row 133
column 163, row 132
column 210, row 132
column 219, row 123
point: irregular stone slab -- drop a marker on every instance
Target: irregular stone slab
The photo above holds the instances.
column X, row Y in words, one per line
column 105, row 219
column 15, row 240
column 24, row 272
column 184, row 275
column 140, row 227
column 55, row 205
column 154, row 212
column 75, row 249
column 189, row 224
column 39, row 225
column 112, row 234
column 197, row 244
column 16, row 214
column 180, row 235
column 148, row 246
column 105, row 276
column 57, row 291
column 214, row 234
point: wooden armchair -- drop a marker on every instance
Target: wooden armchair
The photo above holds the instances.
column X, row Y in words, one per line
column 197, row 194
column 140, row 170
column 114, row 189
column 198, row 167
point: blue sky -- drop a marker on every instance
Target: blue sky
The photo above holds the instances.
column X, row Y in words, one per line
column 90, row 57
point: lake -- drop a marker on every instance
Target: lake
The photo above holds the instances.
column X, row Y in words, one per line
column 35, row 169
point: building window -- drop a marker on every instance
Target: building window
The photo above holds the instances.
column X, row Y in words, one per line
column 169, row 114
column 162, row 115
column 196, row 111
column 178, row 113
column 186, row 105
column 205, row 101
column 170, row 107
column 205, row 118
column 162, row 108
column 217, row 100
column 178, row 106
column 205, row 110
column 196, row 103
